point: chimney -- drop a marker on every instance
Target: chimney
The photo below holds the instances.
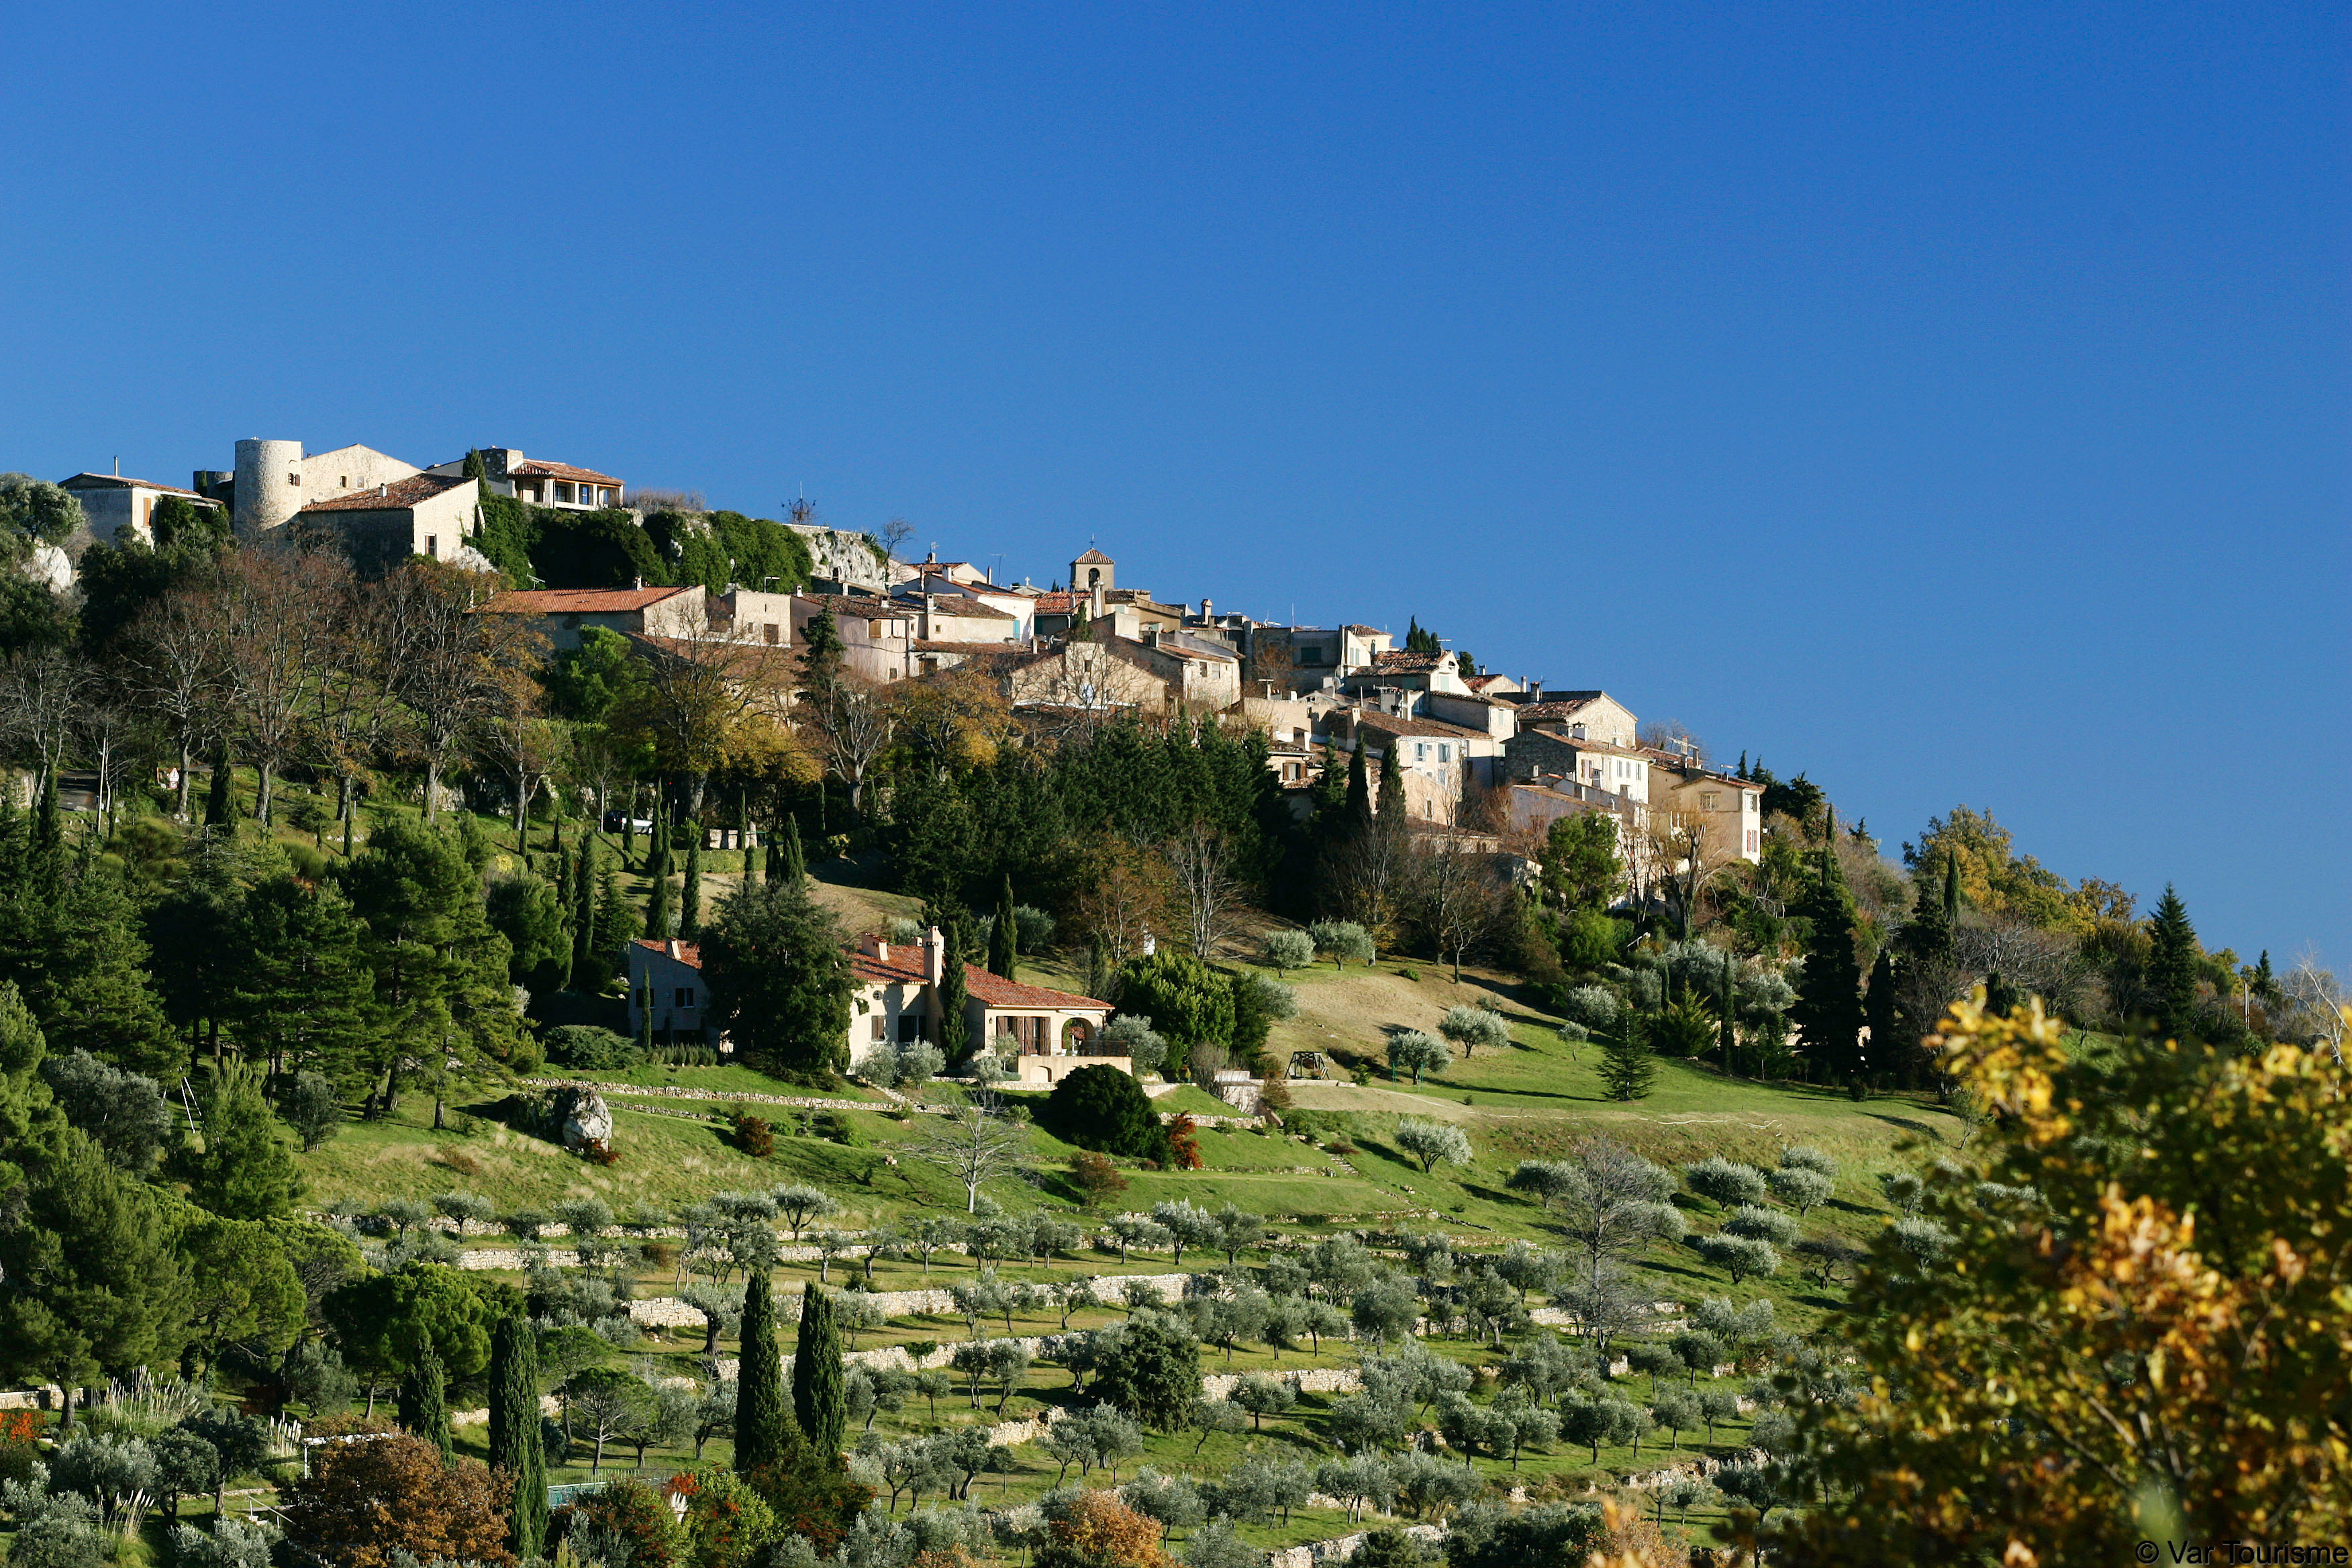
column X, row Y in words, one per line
column 1208, row 612
column 1096, row 611
column 639, row 582
column 1576, row 731
column 935, row 949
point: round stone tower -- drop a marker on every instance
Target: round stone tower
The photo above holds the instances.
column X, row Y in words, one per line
column 268, row 486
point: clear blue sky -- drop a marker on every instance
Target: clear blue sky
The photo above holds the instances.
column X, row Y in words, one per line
column 1948, row 401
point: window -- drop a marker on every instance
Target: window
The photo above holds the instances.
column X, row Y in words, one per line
column 605, row 495
column 686, row 997
column 1444, row 752
column 293, row 479
column 881, row 1027
column 1420, row 752
column 769, row 632
column 563, row 490
column 910, row 1027
column 1707, row 800
column 433, row 545
column 347, row 482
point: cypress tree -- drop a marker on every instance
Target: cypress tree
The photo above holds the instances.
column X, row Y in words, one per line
column 1392, row 811
column 219, row 798
column 820, row 1404
column 761, row 1435
column 657, row 922
column 424, row 1400
column 1726, row 1014
column 1828, row 1013
column 1004, row 937
column 689, row 903
column 2172, row 965
column 1951, row 893
column 583, row 915
column 955, row 1031
column 515, row 1446
column 1360, row 786
column 796, row 858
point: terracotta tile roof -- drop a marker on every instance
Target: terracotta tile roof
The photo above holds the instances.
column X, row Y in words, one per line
column 865, row 607
column 1093, row 558
column 1480, row 682
column 398, row 496
column 994, row 991
column 578, row 601
column 1364, row 631
column 1057, row 603
column 922, row 645
column 904, row 967
column 124, row 482
column 1404, row 660
column 687, row 952
column 536, row 469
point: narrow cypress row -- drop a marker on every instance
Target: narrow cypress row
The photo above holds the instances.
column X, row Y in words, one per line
column 515, row 1446
column 219, row 797
column 761, row 1437
column 1004, row 937
column 820, row 1403
column 583, row 914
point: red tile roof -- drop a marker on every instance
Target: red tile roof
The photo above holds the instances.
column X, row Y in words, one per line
column 1057, row 603
column 904, row 967
column 994, row 991
column 1093, row 558
column 687, row 952
column 398, row 496
column 536, row 469
column 579, row 601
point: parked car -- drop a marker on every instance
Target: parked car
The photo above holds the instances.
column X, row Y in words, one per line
column 621, row 822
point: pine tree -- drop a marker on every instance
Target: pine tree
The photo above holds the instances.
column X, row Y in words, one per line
column 689, row 903
column 1626, row 1064
column 220, row 807
column 243, row 1172
column 762, row 1434
column 301, row 993
column 2173, row 953
column 476, row 469
column 424, row 1400
column 1392, row 807
column 1828, row 1012
column 1004, row 937
column 515, row 1446
column 820, row 1404
column 955, row 993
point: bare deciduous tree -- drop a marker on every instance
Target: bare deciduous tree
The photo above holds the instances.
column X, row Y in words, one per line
column 2316, row 1004
column 445, row 658
column 41, row 689
column 1461, row 897
column 174, row 665
column 269, row 601
column 972, row 1144
column 1200, row 859
column 1123, row 900
column 1689, row 853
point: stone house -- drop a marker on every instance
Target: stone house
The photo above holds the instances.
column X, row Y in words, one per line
column 113, row 503
column 665, row 984
column 1086, row 674
column 1042, row 1035
column 1201, row 674
column 543, row 483
column 1602, row 716
column 424, row 514
column 1733, row 810
column 877, row 634
column 1570, row 750
column 562, row 614
column 1440, row 762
